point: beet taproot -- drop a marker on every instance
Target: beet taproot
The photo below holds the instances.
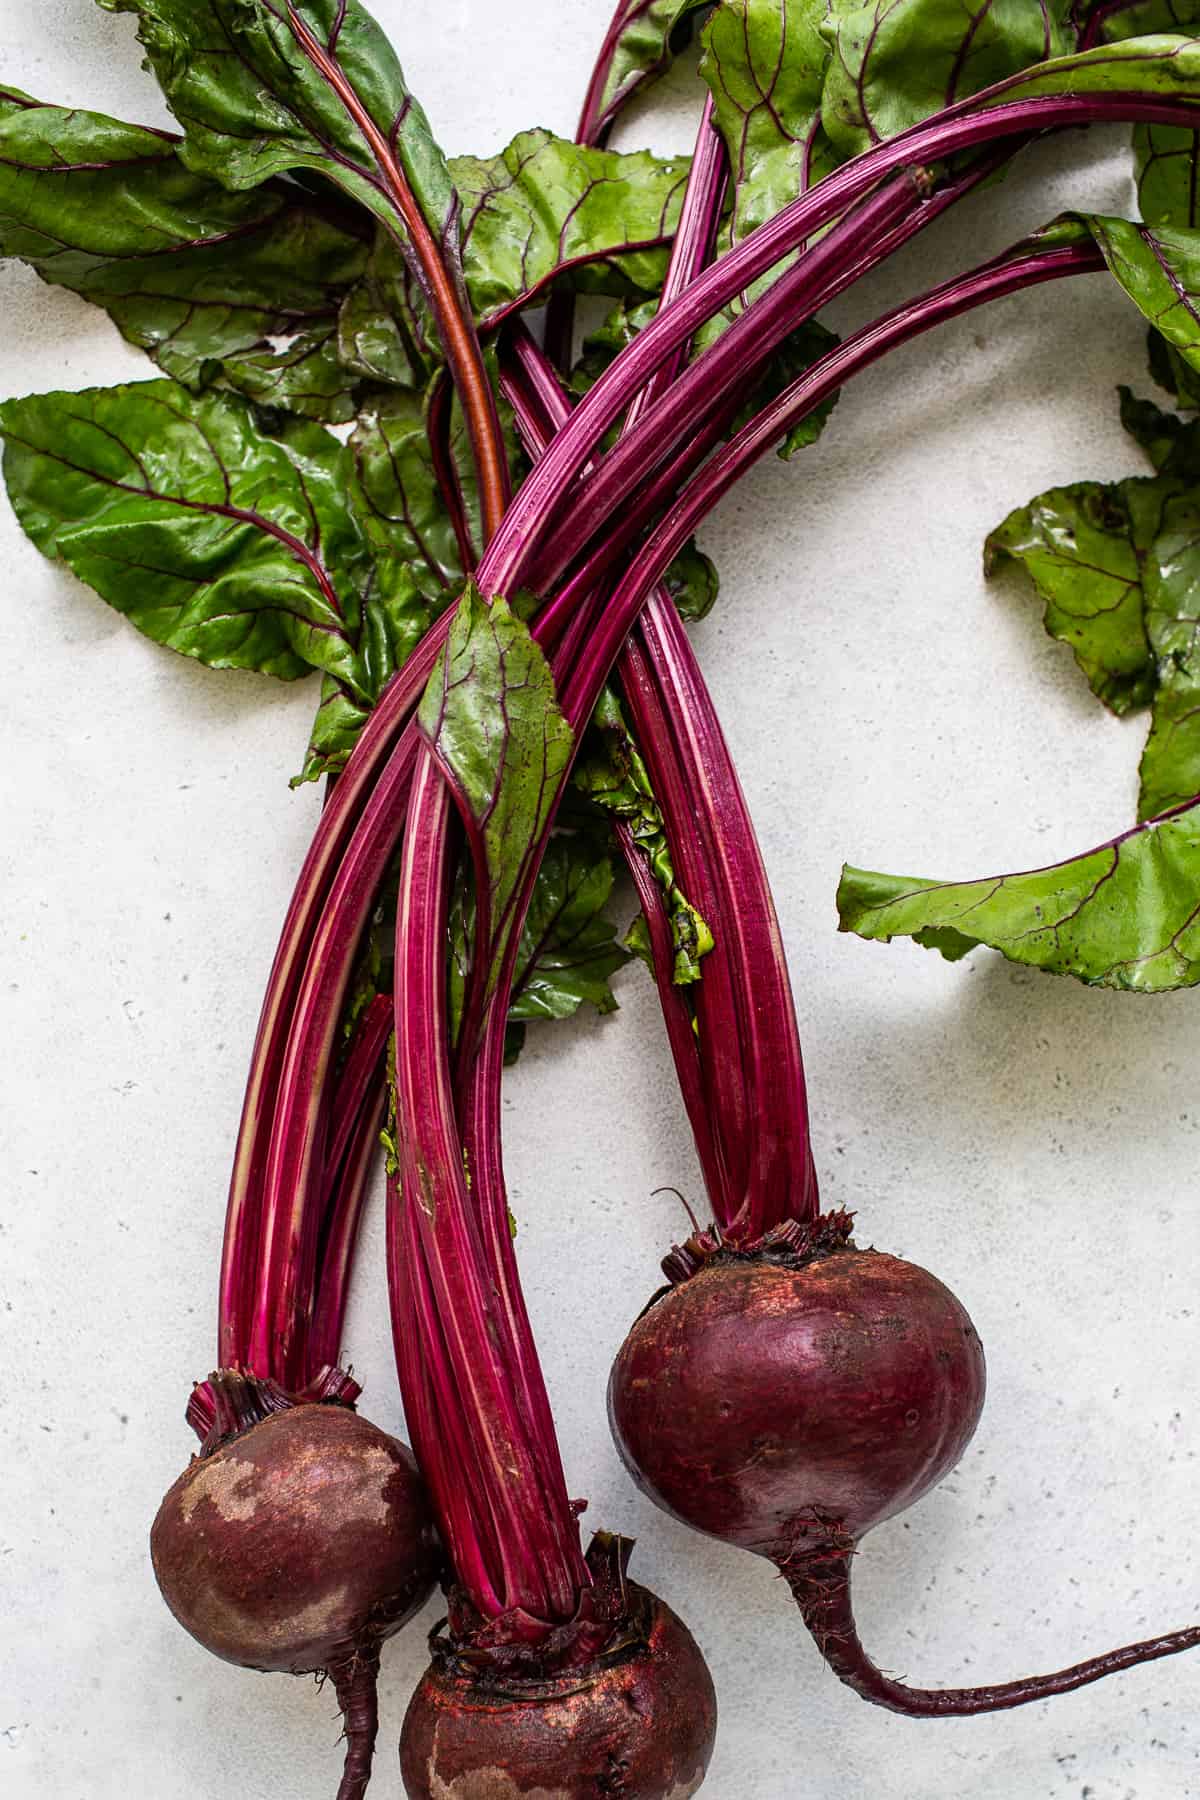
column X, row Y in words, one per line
column 788, row 1400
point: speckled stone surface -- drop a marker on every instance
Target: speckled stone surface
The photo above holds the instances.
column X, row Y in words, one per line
column 1032, row 1142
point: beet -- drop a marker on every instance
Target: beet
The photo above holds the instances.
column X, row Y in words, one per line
column 789, row 1400
column 757, row 1399
column 638, row 1722
column 299, row 1544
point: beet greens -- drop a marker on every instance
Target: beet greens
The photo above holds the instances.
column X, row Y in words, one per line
column 489, row 577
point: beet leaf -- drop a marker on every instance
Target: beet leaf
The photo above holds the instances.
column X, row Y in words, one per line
column 614, row 777
column 1114, row 20
column 540, row 213
column 1116, row 565
column 765, row 62
column 492, row 720
column 895, row 62
column 198, row 277
column 643, row 39
column 229, row 546
column 568, row 951
column 1124, row 915
column 1084, row 547
column 254, row 104
column 1159, row 268
column 544, row 205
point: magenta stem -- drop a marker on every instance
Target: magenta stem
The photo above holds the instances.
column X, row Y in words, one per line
column 578, row 695
column 355, row 1124
column 1005, row 275
column 821, row 1586
column 744, row 1088
column 528, row 1545
column 737, row 358
column 526, row 1532
column 341, row 813
column 505, row 567
column 292, row 1193
column 766, row 1170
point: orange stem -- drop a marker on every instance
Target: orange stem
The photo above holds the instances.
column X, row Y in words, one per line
column 455, row 327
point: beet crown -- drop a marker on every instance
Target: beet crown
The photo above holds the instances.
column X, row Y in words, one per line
column 638, row 1722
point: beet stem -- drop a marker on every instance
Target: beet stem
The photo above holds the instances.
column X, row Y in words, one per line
column 820, row 1582
column 507, row 567
column 355, row 1683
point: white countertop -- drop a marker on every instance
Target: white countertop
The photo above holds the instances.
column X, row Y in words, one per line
column 1033, row 1142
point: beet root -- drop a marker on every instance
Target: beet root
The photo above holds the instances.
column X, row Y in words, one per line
column 757, row 1399
column 787, row 1403
column 299, row 1544
column 638, row 1722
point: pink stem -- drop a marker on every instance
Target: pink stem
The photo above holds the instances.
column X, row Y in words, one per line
column 981, row 120
column 344, row 807
column 355, row 1125
column 529, row 1540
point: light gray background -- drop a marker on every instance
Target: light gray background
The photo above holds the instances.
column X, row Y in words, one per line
column 1031, row 1141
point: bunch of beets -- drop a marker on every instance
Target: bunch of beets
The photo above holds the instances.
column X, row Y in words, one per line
column 491, row 570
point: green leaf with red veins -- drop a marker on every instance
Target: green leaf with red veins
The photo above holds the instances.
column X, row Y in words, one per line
column 1170, row 767
column 896, row 62
column 198, row 277
column 384, row 331
column 491, row 717
column 1168, row 178
column 417, row 571
column 1118, row 568
column 402, row 511
column 1140, row 18
column 544, row 207
column 541, row 213
column 1125, row 915
column 1163, row 66
column 568, row 951
column 1168, row 175
column 613, row 776
column 1083, row 547
column 263, row 88
column 647, row 37
column 1159, row 268
column 234, row 548
column 765, row 62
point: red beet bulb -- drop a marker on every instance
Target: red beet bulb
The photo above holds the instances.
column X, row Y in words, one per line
column 298, row 1542
column 788, row 1399
column 761, row 1398
column 635, row 1718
